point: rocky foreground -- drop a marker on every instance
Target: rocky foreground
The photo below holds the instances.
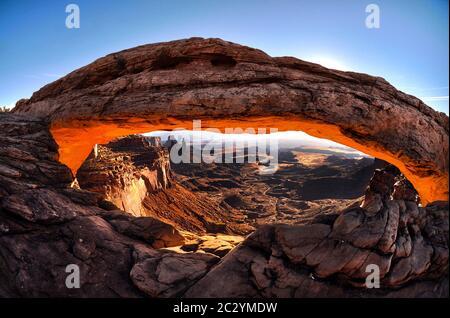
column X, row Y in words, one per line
column 330, row 256
column 46, row 225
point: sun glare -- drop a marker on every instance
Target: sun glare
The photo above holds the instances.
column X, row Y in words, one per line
column 329, row 62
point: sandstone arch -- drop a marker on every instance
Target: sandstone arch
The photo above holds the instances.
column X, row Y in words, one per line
column 166, row 85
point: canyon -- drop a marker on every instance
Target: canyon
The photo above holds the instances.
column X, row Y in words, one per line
column 76, row 188
column 134, row 174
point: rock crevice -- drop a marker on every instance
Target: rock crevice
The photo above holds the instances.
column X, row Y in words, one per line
column 332, row 259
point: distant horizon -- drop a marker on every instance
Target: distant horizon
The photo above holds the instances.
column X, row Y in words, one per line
column 285, row 139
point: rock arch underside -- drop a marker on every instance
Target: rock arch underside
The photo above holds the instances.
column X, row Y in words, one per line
column 165, row 86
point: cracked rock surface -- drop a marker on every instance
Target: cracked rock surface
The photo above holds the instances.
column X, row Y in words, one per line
column 45, row 225
column 409, row 244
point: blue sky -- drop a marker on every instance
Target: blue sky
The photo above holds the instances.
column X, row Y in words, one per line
column 410, row 49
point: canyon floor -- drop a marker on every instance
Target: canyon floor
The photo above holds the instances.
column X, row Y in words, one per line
column 309, row 181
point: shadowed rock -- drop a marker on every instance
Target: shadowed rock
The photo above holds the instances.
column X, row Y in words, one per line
column 113, row 250
column 45, row 226
column 406, row 242
column 170, row 274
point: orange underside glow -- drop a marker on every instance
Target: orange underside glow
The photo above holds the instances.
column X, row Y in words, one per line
column 77, row 138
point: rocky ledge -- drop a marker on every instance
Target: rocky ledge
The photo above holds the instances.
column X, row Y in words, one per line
column 331, row 256
column 45, row 225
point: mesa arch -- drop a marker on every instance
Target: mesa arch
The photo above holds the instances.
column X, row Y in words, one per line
column 167, row 85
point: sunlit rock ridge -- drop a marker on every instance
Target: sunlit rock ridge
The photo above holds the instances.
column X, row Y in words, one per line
column 166, row 85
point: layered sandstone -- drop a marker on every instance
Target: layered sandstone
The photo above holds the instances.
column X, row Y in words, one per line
column 125, row 170
column 46, row 225
column 133, row 174
column 166, row 85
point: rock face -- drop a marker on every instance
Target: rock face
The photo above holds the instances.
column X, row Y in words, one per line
column 169, row 275
column 166, row 85
column 150, row 230
column 125, row 170
column 133, row 173
column 46, row 226
column 331, row 257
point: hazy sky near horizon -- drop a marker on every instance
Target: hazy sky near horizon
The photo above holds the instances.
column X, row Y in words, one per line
column 410, row 49
column 283, row 140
